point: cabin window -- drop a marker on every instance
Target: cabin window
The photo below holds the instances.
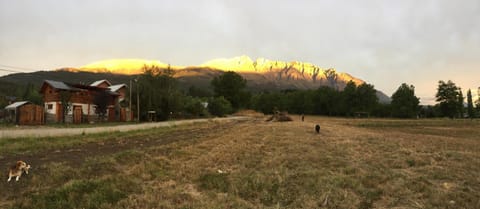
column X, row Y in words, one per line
column 49, row 106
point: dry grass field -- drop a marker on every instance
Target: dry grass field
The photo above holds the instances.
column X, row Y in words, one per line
column 352, row 163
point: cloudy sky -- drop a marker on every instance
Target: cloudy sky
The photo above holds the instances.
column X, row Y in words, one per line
column 384, row 42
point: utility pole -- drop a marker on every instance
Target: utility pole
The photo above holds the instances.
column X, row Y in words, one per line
column 130, row 100
column 138, row 103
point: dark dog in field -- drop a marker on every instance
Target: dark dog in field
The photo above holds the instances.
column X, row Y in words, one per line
column 317, row 128
column 17, row 170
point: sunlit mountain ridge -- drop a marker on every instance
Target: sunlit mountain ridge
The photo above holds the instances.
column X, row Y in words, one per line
column 121, row 66
column 262, row 75
column 293, row 70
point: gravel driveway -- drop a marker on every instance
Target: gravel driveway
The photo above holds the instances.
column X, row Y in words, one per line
column 44, row 132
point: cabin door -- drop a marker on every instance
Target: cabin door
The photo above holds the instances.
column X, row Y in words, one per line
column 59, row 112
column 111, row 114
column 77, row 114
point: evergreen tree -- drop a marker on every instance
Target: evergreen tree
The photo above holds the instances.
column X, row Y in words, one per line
column 460, row 106
column 31, row 94
column 470, row 110
column 477, row 107
column 231, row 86
column 349, row 99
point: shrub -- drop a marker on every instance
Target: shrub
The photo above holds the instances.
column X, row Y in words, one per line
column 195, row 107
column 219, row 106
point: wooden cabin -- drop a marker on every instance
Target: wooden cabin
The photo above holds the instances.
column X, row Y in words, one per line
column 82, row 99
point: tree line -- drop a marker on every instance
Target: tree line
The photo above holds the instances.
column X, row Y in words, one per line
column 354, row 100
column 159, row 92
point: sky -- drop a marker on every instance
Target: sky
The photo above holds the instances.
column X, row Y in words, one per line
column 383, row 42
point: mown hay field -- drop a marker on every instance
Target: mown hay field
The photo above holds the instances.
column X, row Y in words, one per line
column 352, row 163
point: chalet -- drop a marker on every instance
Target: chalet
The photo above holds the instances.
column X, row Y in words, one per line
column 121, row 89
column 82, row 99
column 25, row 113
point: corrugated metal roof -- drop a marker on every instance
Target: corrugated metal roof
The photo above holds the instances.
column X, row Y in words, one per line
column 59, row 85
column 15, row 105
column 115, row 88
column 96, row 83
column 113, row 93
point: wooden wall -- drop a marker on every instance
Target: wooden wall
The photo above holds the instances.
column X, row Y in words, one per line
column 85, row 97
column 123, row 92
column 50, row 94
column 30, row 114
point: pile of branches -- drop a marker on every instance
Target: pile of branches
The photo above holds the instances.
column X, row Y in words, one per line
column 279, row 117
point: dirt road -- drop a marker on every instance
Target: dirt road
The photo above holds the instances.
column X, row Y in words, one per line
column 44, row 132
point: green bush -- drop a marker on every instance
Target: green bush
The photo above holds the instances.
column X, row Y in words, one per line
column 219, row 106
column 195, row 107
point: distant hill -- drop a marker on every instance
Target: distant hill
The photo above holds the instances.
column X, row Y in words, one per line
column 37, row 78
column 261, row 74
column 8, row 91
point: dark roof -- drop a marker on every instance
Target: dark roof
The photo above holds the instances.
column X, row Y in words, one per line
column 59, row 85
column 75, row 87
column 82, row 86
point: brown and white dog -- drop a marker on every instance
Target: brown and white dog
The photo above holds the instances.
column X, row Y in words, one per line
column 17, row 170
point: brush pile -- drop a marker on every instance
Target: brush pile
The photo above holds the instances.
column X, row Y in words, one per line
column 279, row 117
column 249, row 113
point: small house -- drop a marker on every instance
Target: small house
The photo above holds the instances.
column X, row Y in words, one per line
column 25, row 113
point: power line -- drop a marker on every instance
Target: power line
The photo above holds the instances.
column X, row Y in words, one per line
column 11, row 71
column 18, row 68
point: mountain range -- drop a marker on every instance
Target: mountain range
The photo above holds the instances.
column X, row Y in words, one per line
column 299, row 74
column 261, row 74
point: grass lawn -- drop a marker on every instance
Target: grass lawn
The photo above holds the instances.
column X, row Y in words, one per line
column 352, row 163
